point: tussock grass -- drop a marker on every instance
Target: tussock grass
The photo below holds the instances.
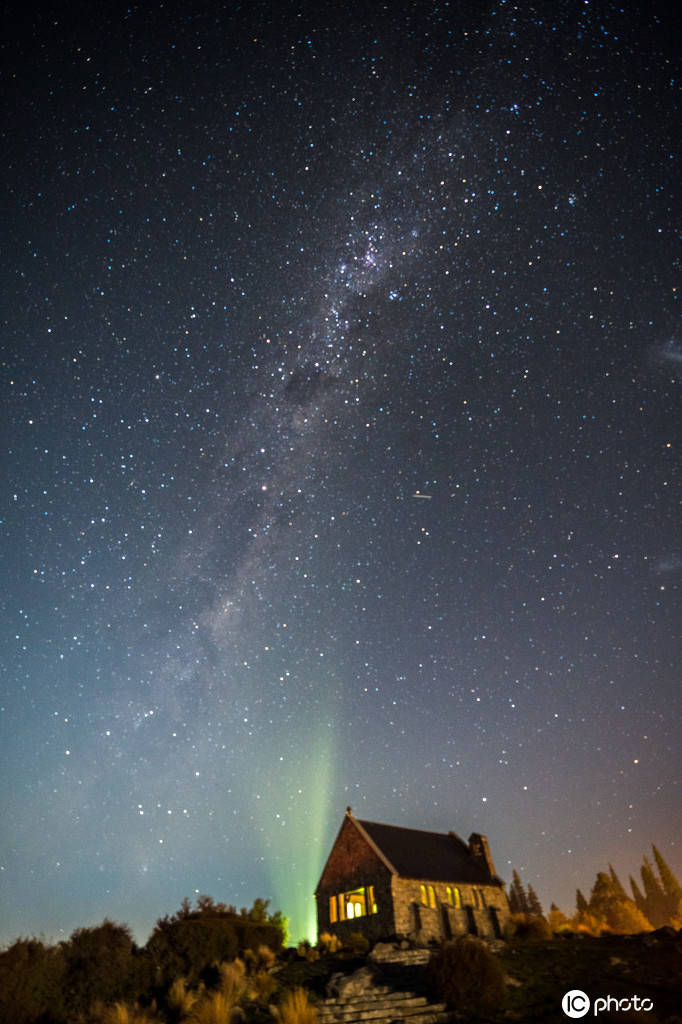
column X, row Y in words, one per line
column 295, row 1008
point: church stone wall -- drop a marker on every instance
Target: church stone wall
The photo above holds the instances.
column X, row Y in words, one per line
column 423, row 923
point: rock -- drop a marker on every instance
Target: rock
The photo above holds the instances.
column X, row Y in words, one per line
column 344, row 986
column 382, row 950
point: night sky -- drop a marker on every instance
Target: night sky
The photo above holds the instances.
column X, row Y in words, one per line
column 341, row 363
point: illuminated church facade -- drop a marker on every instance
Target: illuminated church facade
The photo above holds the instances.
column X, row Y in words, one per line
column 389, row 882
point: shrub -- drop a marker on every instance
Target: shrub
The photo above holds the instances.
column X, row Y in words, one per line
column 261, row 987
column 121, row 1013
column 262, row 960
column 466, row 975
column 329, row 943
column 307, row 952
column 295, row 1008
column 260, row 984
column 214, row 1008
column 180, row 1000
column 31, row 982
column 233, row 980
column 190, row 941
column 558, row 922
column 357, row 943
column 529, row 928
column 187, row 946
column 100, row 965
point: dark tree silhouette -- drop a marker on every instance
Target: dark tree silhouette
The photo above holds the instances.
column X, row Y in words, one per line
column 534, row 905
column 518, row 900
column 580, row 902
column 654, row 897
column 671, row 887
column 617, row 887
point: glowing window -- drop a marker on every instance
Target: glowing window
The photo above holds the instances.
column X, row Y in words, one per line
column 448, row 895
column 422, row 893
column 332, row 909
column 457, row 897
column 356, row 903
column 432, row 897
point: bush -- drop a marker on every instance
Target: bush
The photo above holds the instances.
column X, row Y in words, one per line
column 180, row 1000
column 465, row 975
column 187, row 947
column 295, row 1008
column 31, row 982
column 261, row 987
column 357, row 943
column 307, row 952
column 529, row 928
column 214, row 1008
column 262, row 960
column 233, row 980
column 121, row 1013
column 328, row 943
column 190, row 941
column 101, row 965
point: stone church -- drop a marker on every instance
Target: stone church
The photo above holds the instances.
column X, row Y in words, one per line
column 386, row 882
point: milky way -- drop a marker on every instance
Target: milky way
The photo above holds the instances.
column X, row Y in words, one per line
column 340, row 383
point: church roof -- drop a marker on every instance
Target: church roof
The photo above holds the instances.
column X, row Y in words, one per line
column 435, row 856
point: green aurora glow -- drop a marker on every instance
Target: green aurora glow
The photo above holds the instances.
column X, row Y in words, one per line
column 297, row 844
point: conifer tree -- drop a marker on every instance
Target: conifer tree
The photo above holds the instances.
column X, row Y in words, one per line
column 617, row 887
column 557, row 920
column 671, row 887
column 640, row 902
column 518, row 901
column 655, row 903
column 602, row 895
column 610, row 906
column 580, row 902
column 534, row 905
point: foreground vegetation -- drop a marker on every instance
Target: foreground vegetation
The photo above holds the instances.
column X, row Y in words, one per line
column 210, row 964
column 521, row 980
column 197, row 966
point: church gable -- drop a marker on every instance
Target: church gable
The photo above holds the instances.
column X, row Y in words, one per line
column 351, row 859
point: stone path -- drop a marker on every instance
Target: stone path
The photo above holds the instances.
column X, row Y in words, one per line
column 391, row 990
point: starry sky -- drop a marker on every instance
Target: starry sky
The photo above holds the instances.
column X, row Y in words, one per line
column 340, row 369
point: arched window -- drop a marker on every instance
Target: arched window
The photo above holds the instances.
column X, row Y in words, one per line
column 458, row 897
column 422, row 893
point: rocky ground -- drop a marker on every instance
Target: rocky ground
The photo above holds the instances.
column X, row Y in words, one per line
column 390, row 984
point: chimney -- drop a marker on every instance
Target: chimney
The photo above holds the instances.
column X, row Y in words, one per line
column 480, row 851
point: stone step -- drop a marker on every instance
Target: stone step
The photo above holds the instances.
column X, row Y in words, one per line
column 413, row 1008
column 375, row 1007
column 436, row 1014
column 386, row 953
column 372, row 995
column 408, row 956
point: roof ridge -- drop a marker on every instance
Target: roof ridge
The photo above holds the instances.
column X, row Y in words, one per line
column 406, row 828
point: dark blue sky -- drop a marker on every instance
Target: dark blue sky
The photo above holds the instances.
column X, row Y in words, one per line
column 341, row 362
